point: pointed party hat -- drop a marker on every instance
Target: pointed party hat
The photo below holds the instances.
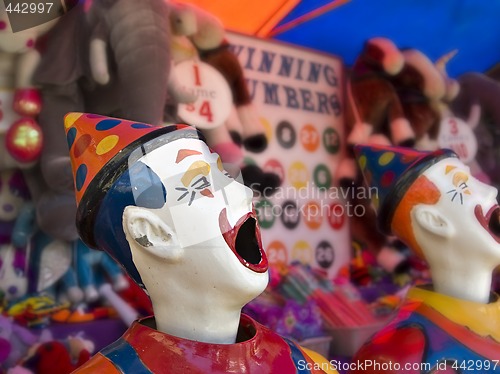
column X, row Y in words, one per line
column 391, row 171
column 99, row 147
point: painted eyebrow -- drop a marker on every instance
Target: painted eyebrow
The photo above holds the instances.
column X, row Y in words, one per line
column 183, row 153
column 196, row 168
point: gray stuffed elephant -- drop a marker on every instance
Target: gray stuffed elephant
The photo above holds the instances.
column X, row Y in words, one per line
column 109, row 57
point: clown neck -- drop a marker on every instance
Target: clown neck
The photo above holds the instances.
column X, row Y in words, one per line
column 471, row 283
column 182, row 310
column 467, row 280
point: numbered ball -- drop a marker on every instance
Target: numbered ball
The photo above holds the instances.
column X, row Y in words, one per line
column 24, row 140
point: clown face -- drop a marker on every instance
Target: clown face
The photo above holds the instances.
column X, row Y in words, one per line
column 210, row 214
column 470, row 208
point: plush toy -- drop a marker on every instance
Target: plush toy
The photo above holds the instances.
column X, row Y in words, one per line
column 58, row 357
column 94, row 268
column 30, row 261
column 420, row 88
column 243, row 127
column 453, row 131
column 375, row 113
column 424, row 90
column 479, row 90
column 15, row 341
column 14, row 234
column 88, row 270
column 207, row 34
column 20, row 101
column 108, row 57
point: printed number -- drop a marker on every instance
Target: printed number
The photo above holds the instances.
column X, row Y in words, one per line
column 309, row 137
column 25, row 8
column 454, row 127
column 286, row 135
column 474, row 365
column 276, row 256
column 197, row 79
column 322, row 177
column 205, row 110
column 324, row 255
column 298, row 175
column 331, row 140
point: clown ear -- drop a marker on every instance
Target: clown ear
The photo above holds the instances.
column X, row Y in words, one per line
column 432, row 220
column 146, row 231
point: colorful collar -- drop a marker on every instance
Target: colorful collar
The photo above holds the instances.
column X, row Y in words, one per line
column 482, row 319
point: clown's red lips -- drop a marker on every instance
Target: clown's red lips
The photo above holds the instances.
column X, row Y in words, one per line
column 490, row 221
column 245, row 241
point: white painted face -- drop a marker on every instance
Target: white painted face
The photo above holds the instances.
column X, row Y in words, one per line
column 210, row 213
column 470, row 207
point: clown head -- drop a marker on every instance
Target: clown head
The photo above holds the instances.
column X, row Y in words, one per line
column 160, row 202
column 433, row 203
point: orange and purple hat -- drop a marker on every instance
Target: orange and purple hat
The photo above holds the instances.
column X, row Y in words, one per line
column 99, row 147
column 392, row 170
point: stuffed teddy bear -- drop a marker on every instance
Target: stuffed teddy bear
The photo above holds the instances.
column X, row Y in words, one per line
column 207, row 34
column 421, row 87
column 200, row 35
column 434, row 121
column 375, row 114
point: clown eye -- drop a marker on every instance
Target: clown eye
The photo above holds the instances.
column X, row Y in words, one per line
column 201, row 183
column 227, row 174
column 199, row 186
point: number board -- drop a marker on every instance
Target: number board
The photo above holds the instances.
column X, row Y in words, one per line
column 298, row 95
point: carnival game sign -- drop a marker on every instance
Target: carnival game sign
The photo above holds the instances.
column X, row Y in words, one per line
column 299, row 99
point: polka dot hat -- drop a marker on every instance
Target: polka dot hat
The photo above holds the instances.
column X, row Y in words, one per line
column 391, row 171
column 99, row 146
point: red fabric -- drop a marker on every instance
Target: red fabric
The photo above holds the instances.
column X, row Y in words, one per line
column 54, row 358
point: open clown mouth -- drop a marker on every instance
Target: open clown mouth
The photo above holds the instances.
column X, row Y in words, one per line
column 244, row 240
column 490, row 221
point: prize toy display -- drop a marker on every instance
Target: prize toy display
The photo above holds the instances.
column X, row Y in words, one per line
column 223, row 109
column 95, row 58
